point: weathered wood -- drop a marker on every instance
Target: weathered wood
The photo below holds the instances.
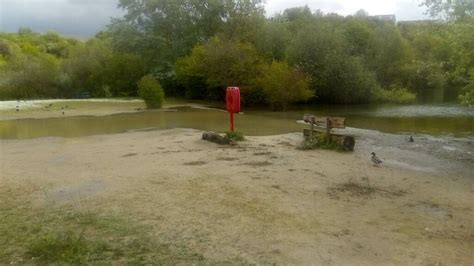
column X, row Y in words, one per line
column 216, row 138
column 347, row 142
column 328, row 129
column 335, row 122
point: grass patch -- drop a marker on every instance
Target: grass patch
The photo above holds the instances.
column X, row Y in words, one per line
column 235, row 135
column 51, row 234
column 354, row 189
column 319, row 142
column 362, row 190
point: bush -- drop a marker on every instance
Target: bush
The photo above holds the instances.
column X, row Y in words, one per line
column 395, row 95
column 235, row 135
column 151, row 92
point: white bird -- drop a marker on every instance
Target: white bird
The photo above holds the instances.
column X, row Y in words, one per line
column 375, row 159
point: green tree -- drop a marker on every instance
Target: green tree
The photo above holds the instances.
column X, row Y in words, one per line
column 284, row 85
column 217, row 64
column 450, row 9
column 336, row 76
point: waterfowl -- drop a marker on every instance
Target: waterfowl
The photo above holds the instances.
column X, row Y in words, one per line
column 375, row 159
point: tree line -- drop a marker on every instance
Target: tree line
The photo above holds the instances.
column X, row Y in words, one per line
column 196, row 48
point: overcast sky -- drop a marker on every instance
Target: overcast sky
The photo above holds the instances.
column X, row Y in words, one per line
column 85, row 17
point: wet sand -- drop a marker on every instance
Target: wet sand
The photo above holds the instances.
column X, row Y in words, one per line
column 263, row 200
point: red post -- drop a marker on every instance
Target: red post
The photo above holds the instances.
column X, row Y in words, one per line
column 232, row 103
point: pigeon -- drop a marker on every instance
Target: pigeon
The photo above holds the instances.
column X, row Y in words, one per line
column 375, row 159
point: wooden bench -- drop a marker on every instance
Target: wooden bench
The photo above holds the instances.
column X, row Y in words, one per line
column 323, row 125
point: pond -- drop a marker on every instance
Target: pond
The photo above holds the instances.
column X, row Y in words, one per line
column 438, row 120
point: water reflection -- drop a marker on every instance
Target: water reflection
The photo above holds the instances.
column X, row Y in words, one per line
column 444, row 120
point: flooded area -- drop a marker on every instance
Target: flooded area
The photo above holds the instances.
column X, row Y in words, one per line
column 434, row 120
column 260, row 191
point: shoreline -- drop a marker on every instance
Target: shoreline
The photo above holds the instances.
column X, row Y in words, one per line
column 262, row 200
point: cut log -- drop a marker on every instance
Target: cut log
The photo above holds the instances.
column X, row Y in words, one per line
column 216, row 138
column 346, row 142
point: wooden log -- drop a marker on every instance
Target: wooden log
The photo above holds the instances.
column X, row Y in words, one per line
column 328, row 129
column 216, row 138
column 346, row 142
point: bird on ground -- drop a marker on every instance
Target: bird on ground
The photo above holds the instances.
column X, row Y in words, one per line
column 375, row 159
column 410, row 139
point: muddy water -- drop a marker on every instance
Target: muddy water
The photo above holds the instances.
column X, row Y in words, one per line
column 438, row 120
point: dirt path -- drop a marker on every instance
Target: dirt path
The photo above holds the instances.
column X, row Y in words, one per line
column 262, row 201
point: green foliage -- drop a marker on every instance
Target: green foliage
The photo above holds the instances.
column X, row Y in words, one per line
column 235, row 135
column 284, row 85
column 66, row 247
column 318, row 141
column 65, row 235
column 47, row 65
column 468, row 97
column 336, row 77
column 151, row 92
column 450, row 9
column 197, row 48
column 216, row 65
column 163, row 30
column 395, row 95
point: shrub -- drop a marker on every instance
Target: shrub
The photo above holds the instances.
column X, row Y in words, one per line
column 235, row 135
column 151, row 92
column 395, row 95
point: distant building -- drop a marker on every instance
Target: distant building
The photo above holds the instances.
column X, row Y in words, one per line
column 385, row 18
column 417, row 22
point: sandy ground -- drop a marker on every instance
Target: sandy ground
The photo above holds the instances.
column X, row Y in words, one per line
column 37, row 109
column 262, row 200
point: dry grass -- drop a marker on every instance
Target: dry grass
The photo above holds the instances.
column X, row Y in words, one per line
column 53, row 234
